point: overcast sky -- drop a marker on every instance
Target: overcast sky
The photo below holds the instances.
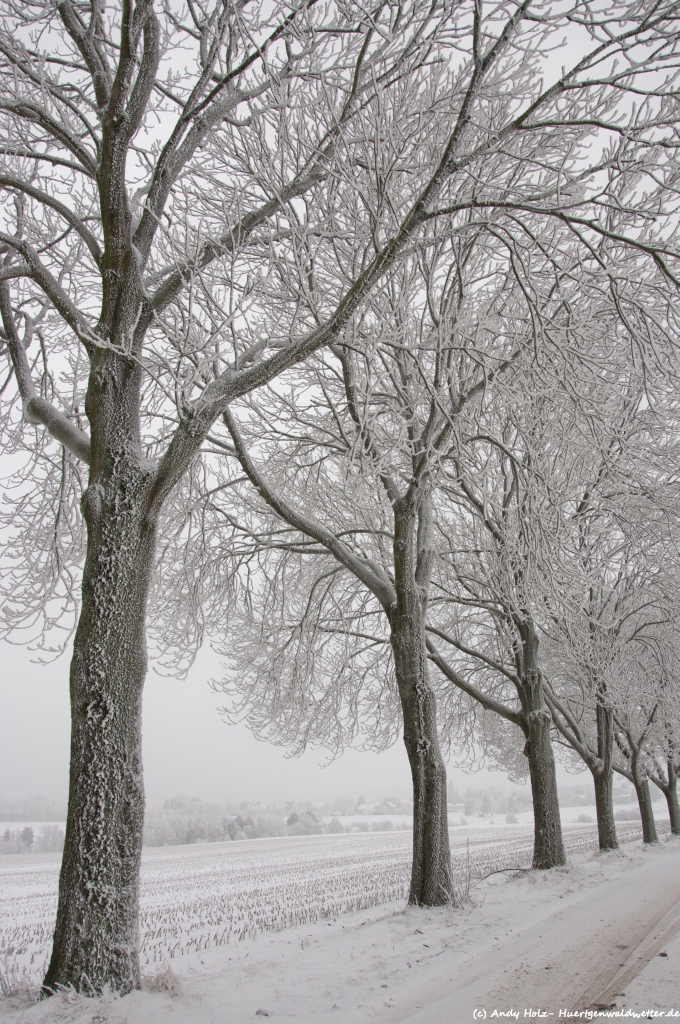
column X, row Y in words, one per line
column 187, row 747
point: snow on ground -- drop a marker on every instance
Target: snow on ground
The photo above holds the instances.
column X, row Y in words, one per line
column 569, row 815
column 206, row 896
column 377, row 821
column 314, row 928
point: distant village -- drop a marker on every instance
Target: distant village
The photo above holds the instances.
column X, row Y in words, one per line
column 186, row 820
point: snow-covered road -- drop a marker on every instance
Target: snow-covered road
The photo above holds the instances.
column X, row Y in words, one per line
column 583, row 954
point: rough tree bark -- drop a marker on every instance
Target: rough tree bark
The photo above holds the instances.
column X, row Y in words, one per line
column 431, row 883
column 548, row 843
column 641, row 782
column 603, row 778
column 649, row 833
column 96, row 936
column 669, row 788
column 604, row 807
column 671, row 794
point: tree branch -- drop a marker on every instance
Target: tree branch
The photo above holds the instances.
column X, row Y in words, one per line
column 475, row 654
column 37, row 409
column 571, row 731
column 379, row 586
column 30, row 112
column 9, row 181
column 85, row 41
column 54, row 292
column 487, row 702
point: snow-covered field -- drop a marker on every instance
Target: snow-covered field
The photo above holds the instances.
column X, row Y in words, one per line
column 570, row 816
column 201, row 898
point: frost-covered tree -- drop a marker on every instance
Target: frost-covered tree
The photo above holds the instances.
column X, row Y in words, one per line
column 663, row 754
column 147, row 196
column 612, row 580
column 644, row 697
column 344, row 453
column 493, row 525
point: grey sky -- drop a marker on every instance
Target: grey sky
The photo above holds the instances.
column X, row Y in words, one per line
column 187, row 747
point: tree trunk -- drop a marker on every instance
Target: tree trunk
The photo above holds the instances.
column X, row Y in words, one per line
column 603, row 779
column 646, row 811
column 548, row 844
column 671, row 794
column 431, row 882
column 96, row 934
column 604, row 806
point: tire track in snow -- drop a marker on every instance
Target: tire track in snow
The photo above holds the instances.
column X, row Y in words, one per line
column 567, row 954
column 646, row 943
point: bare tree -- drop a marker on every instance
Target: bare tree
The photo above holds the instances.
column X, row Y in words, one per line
column 645, row 706
column 493, row 525
column 348, row 447
column 658, row 692
column 589, row 705
column 145, row 207
column 123, row 251
column 612, row 581
column 634, row 722
column 380, row 409
column 331, row 438
column 664, row 763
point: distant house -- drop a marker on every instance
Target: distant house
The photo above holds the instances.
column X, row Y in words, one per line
column 386, row 807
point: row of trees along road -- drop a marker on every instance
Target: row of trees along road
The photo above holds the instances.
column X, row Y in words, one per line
column 198, row 199
column 342, row 446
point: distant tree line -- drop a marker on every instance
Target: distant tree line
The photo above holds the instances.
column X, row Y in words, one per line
column 50, row 839
column 183, row 821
